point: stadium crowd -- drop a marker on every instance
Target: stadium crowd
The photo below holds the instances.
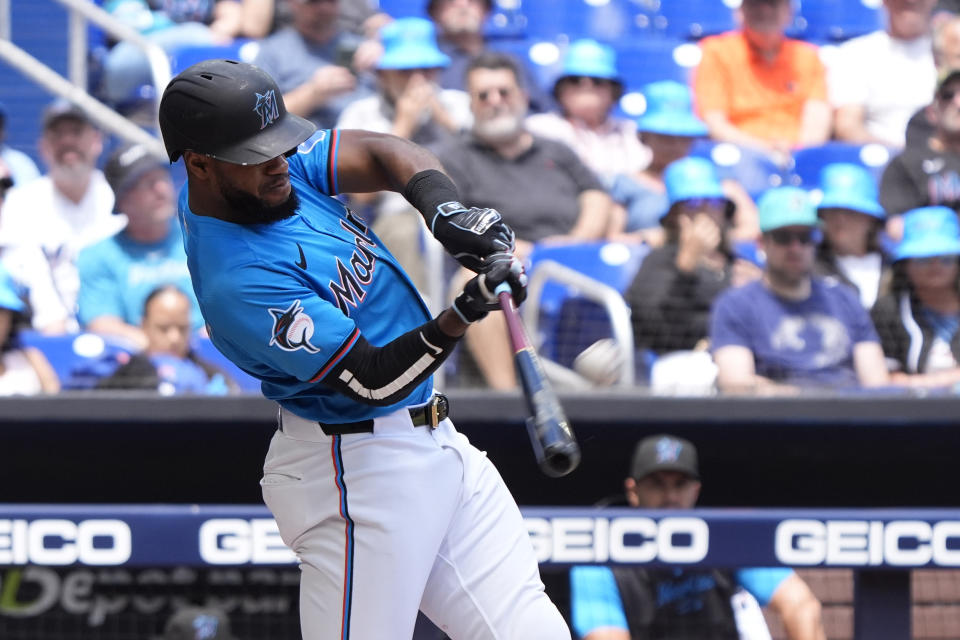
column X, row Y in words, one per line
column 793, row 204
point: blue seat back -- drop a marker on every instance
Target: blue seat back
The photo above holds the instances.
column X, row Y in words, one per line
column 808, row 162
column 693, row 19
column 837, row 20
column 567, row 323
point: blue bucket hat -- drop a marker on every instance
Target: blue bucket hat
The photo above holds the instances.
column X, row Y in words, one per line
column 589, row 58
column 786, row 207
column 928, row 232
column 670, row 111
column 410, row 43
column 690, row 178
column 849, row 186
column 10, row 292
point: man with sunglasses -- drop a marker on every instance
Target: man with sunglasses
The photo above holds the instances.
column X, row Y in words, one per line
column 791, row 330
column 928, row 175
column 542, row 189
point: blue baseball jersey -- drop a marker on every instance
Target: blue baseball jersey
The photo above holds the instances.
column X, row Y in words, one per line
column 285, row 301
column 596, row 602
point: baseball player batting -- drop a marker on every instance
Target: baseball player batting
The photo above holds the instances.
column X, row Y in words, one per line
column 388, row 507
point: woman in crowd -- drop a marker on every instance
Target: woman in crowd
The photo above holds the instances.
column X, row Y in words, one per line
column 919, row 320
column 586, row 91
column 670, row 296
column 169, row 365
column 852, row 221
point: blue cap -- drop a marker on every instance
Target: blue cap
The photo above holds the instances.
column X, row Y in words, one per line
column 10, row 292
column 590, row 58
column 928, row 232
column 670, row 111
column 410, row 43
column 786, row 207
column 690, row 178
column 849, row 186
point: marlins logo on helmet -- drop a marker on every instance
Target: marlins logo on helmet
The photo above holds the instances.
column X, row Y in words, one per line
column 267, row 108
column 292, row 329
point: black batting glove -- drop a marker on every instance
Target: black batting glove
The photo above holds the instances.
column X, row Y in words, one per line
column 471, row 235
column 479, row 295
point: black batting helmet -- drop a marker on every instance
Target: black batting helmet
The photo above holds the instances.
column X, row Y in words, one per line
column 229, row 110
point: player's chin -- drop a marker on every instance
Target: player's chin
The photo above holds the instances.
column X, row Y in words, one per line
column 276, row 194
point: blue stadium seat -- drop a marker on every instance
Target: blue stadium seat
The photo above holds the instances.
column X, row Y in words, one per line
column 565, row 322
column 612, row 21
column 754, row 170
column 79, row 359
column 808, row 162
column 836, row 20
column 240, row 49
column 651, row 59
column 693, row 19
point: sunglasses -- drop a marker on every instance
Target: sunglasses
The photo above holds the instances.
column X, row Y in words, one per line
column 486, row 94
column 786, row 237
column 580, row 80
column 704, row 203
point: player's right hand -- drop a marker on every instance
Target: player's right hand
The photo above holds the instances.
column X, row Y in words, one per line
column 471, row 235
column 479, row 294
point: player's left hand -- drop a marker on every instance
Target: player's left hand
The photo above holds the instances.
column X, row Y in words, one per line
column 471, row 235
column 479, row 294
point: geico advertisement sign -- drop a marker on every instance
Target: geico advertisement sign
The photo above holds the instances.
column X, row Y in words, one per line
column 900, row 543
column 226, row 541
column 63, row 542
column 674, row 540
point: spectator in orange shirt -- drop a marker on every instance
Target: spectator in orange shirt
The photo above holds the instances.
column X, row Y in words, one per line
column 757, row 88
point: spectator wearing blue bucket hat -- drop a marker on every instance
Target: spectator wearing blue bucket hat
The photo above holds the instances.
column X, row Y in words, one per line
column 23, row 370
column 792, row 330
column 919, row 320
column 670, row 296
column 852, row 221
column 668, row 128
column 409, row 103
column 586, row 90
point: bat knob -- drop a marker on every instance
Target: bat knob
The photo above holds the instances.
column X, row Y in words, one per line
column 503, row 287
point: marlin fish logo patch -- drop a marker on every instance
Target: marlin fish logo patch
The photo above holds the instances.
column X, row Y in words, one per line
column 267, row 108
column 292, row 329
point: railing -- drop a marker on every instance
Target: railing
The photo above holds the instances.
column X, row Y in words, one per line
column 74, row 88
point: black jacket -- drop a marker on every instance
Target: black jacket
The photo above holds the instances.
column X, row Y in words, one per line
column 904, row 334
column 670, row 308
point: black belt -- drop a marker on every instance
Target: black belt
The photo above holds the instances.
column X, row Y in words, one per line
column 430, row 414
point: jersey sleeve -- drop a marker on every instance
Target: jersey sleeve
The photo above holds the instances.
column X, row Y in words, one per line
column 316, row 161
column 762, row 582
column 595, row 600
column 276, row 322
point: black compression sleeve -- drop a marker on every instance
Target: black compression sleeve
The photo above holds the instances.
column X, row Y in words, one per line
column 385, row 375
column 428, row 190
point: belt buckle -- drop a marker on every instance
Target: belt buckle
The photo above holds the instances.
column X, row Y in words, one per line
column 433, row 413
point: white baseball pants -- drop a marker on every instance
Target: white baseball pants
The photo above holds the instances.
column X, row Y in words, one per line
column 403, row 518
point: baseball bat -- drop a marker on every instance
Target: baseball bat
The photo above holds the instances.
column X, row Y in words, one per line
column 554, row 444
